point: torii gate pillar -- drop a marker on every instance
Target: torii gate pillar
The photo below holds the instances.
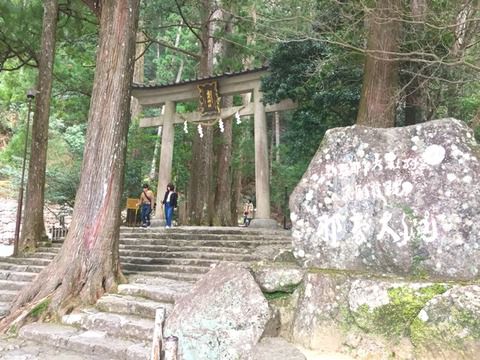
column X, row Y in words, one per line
column 262, row 177
column 166, row 158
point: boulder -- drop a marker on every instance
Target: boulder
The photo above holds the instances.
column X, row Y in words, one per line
column 278, row 278
column 449, row 325
column 401, row 200
column 223, row 317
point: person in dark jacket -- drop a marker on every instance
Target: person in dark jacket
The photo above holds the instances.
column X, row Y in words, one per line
column 170, row 203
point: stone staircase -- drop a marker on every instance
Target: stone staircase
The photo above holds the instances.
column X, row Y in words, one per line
column 120, row 326
column 161, row 265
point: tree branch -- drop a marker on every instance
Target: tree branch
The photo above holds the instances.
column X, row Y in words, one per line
column 180, row 12
column 95, row 6
column 169, row 46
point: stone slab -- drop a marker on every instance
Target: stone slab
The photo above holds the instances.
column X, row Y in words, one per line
column 276, row 348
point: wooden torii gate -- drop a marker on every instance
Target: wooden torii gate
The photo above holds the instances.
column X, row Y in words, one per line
column 227, row 84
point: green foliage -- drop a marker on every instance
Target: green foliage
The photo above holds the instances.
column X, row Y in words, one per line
column 140, row 150
column 476, row 133
column 326, row 86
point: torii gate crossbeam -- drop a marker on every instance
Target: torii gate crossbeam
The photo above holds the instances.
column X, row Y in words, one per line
column 228, row 84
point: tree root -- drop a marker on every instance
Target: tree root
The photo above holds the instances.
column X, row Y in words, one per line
column 12, row 322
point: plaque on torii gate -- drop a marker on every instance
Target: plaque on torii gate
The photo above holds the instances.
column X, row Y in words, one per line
column 209, row 98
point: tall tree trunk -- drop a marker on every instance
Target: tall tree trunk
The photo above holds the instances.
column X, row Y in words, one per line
column 139, row 72
column 380, row 78
column 277, row 136
column 237, row 173
column 463, row 31
column 415, row 96
column 153, row 164
column 222, row 214
column 34, row 226
column 88, row 262
column 201, row 187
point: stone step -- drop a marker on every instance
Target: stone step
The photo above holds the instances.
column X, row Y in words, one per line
column 7, row 295
column 198, row 243
column 27, row 261
column 149, row 292
column 94, row 343
column 165, row 268
column 174, row 286
column 45, row 254
column 130, row 305
column 189, row 277
column 212, row 256
column 4, row 308
column 167, row 261
column 206, row 230
column 194, row 236
column 183, row 248
column 20, row 268
column 50, row 244
column 12, row 285
column 17, row 276
column 115, row 325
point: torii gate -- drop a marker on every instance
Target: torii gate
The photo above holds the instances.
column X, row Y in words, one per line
column 227, row 84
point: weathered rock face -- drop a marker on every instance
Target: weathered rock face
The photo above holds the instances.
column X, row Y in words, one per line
column 450, row 323
column 366, row 317
column 222, row 318
column 401, row 200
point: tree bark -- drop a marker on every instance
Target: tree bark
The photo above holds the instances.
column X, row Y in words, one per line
column 223, row 200
column 222, row 216
column 88, row 262
column 201, row 187
column 33, row 228
column 380, row 78
column 139, row 72
column 277, row 136
column 462, row 32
